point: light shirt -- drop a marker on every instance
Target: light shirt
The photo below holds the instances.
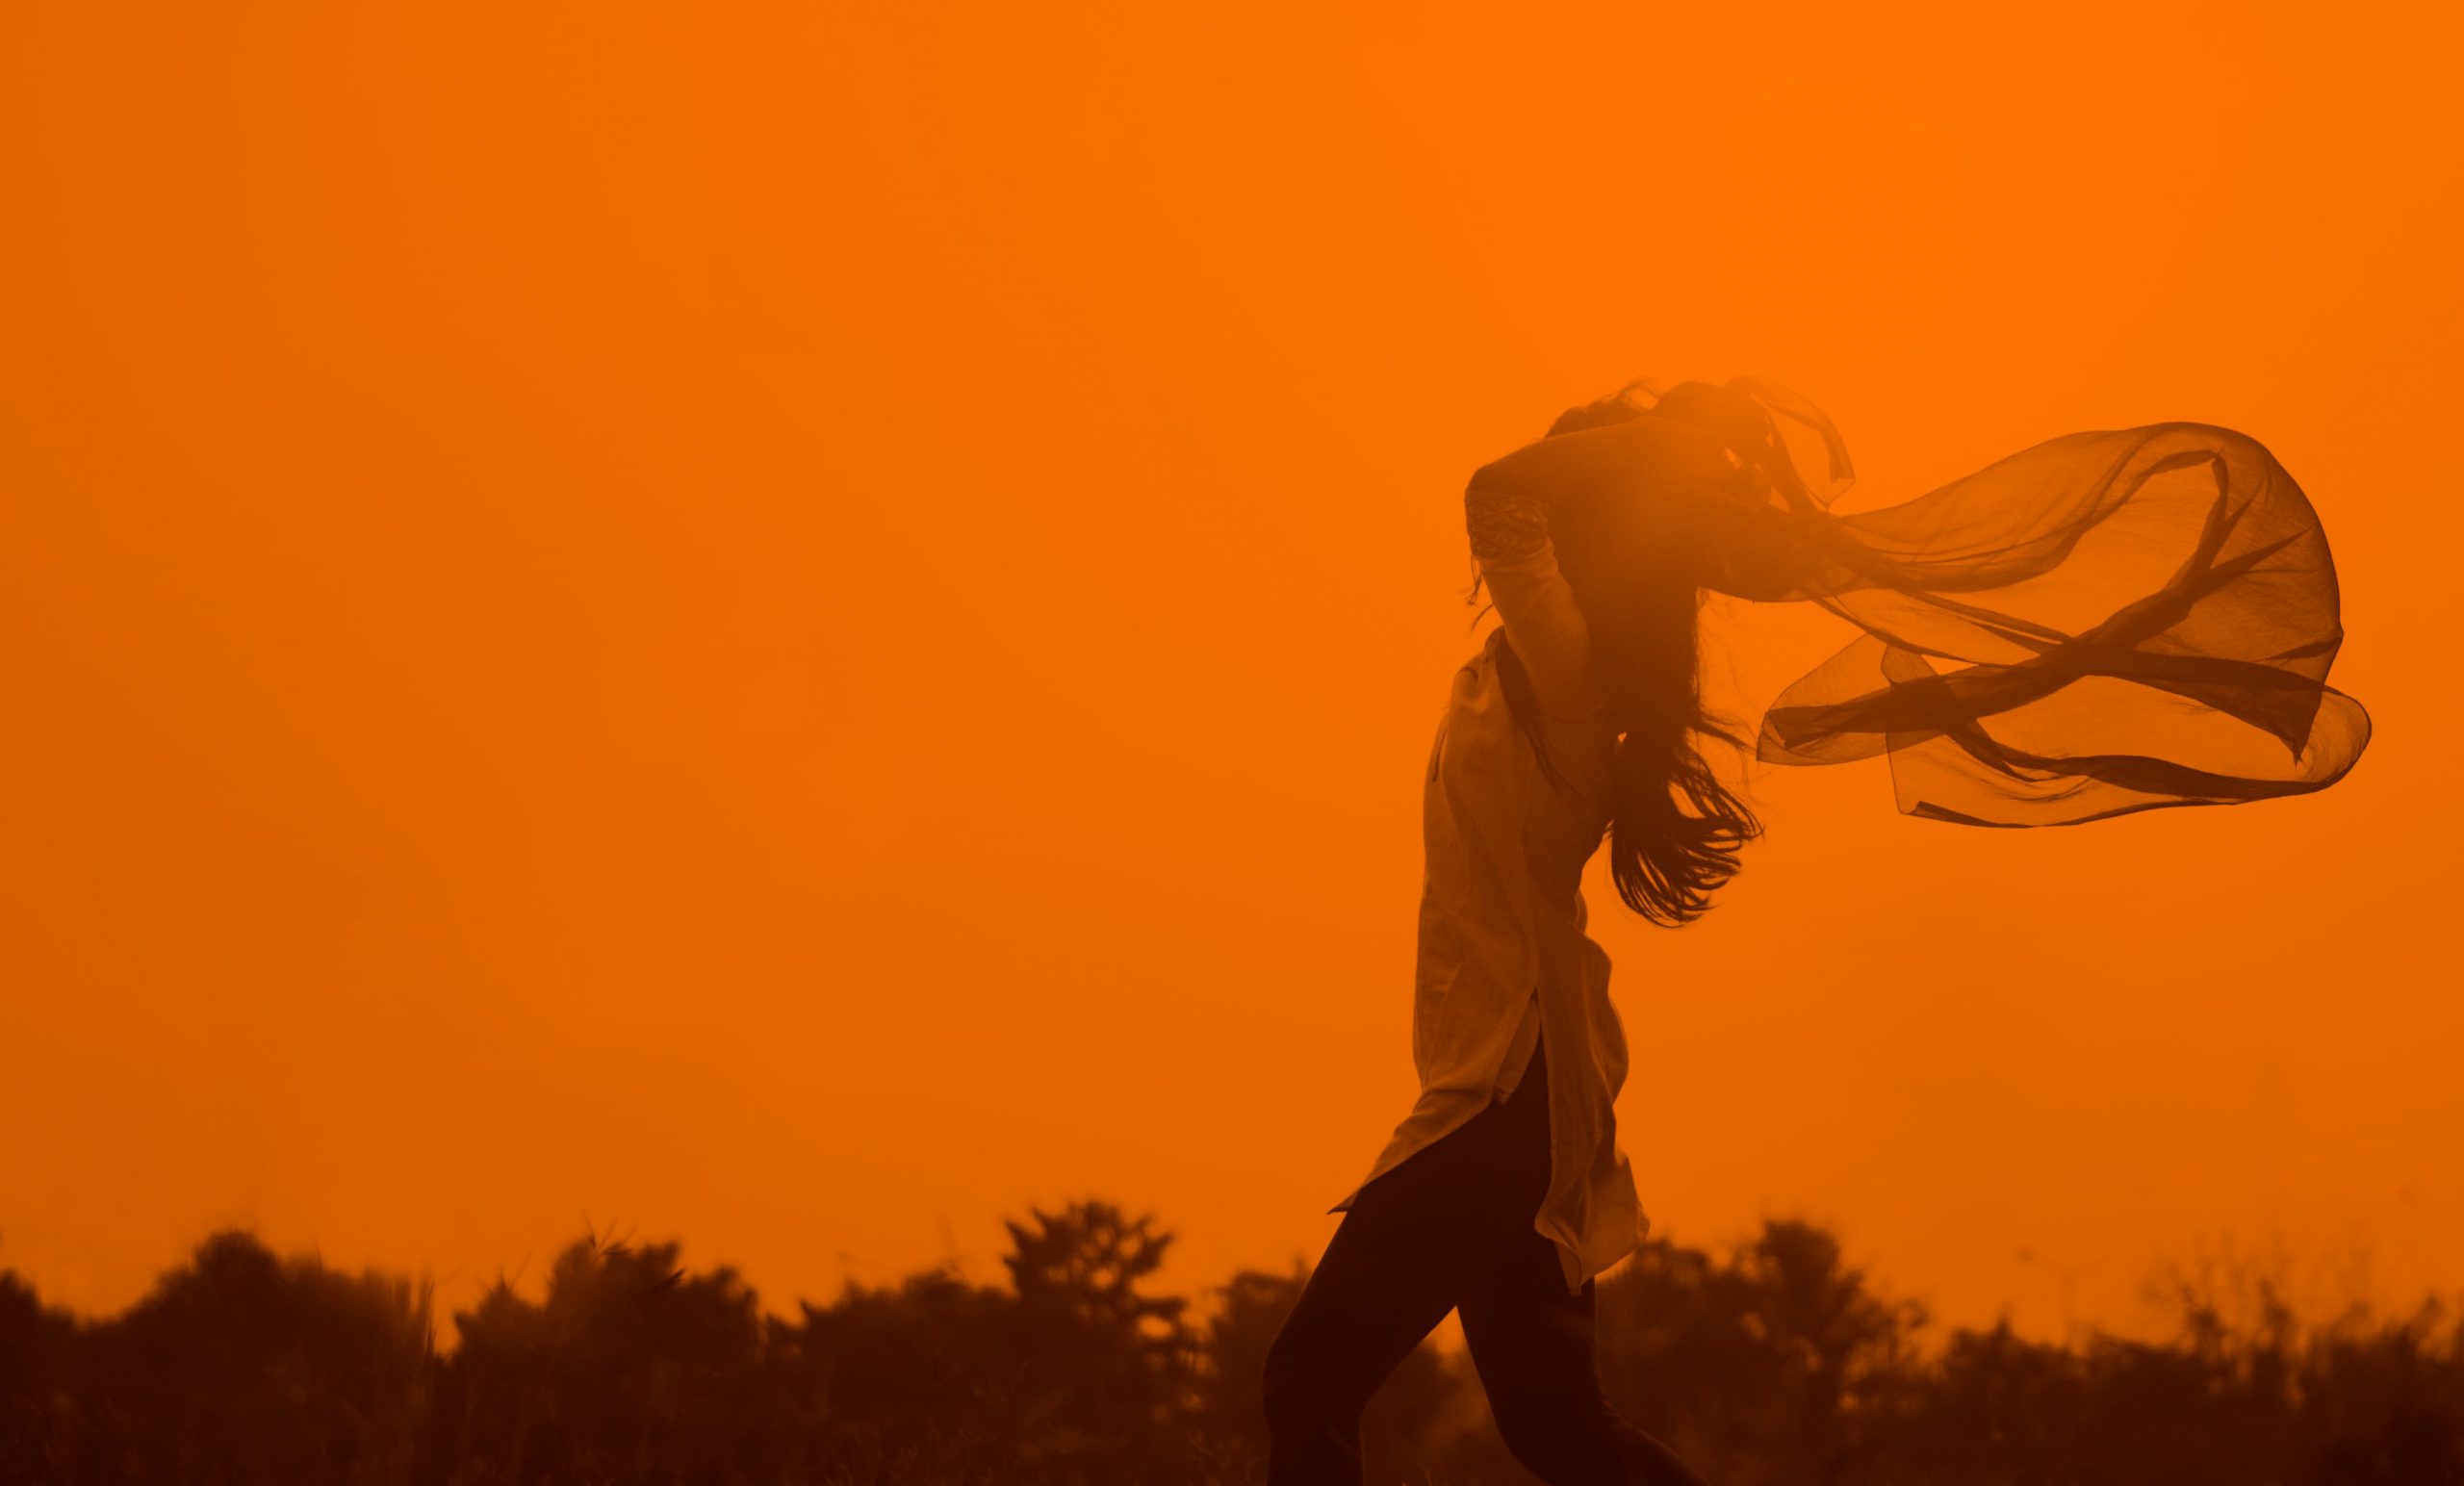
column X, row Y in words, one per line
column 1502, row 954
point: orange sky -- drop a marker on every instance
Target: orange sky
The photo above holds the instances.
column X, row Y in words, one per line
column 807, row 626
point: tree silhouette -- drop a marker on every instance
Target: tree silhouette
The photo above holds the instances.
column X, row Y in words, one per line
column 37, row 1354
column 932, row 1379
column 237, row 1367
column 1118, row 1379
column 631, row 1369
column 1768, row 1365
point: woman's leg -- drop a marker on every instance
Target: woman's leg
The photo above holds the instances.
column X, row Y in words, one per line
column 1413, row 1242
column 1532, row 1343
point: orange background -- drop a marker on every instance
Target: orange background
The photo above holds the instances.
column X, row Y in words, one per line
column 808, row 626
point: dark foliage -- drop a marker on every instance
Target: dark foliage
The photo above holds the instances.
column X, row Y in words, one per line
column 1775, row 1363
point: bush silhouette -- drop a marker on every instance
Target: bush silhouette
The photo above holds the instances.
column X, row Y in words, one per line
column 1774, row 1362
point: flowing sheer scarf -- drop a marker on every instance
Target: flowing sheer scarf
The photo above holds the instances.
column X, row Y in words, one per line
column 2105, row 623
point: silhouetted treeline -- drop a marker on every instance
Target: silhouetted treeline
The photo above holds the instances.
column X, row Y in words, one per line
column 1774, row 1363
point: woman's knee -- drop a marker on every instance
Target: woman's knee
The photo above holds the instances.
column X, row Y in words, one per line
column 1301, row 1393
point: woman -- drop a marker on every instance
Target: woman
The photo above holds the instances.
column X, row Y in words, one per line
column 2097, row 626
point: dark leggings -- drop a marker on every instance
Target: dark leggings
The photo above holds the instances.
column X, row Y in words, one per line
column 1450, row 1230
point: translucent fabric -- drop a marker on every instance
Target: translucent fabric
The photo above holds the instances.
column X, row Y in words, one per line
column 2105, row 623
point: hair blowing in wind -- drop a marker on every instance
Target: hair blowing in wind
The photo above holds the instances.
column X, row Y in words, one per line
column 1674, row 829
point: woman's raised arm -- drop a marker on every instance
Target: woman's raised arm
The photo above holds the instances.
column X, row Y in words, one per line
column 1637, row 458
column 1518, row 566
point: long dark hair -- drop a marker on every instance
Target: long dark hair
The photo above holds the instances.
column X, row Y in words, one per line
column 1673, row 829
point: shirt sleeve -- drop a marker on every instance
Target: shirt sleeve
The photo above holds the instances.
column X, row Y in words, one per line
column 1518, row 566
